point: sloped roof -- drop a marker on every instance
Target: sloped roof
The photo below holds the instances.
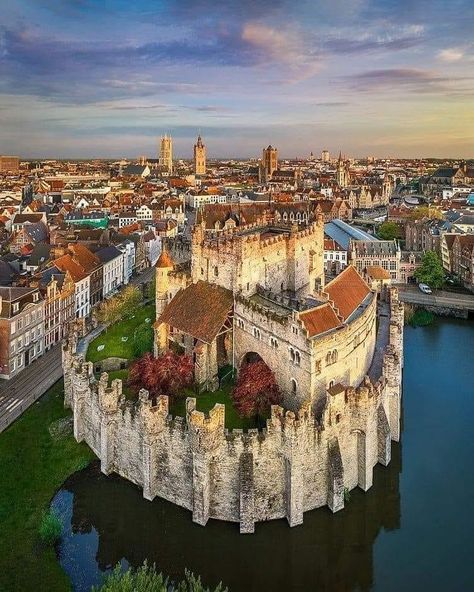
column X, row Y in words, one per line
column 200, row 310
column 67, row 263
column 376, row 272
column 320, row 319
column 348, row 290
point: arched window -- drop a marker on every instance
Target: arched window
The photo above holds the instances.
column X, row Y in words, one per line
column 328, row 358
column 294, row 386
column 292, row 354
column 216, row 271
column 297, row 358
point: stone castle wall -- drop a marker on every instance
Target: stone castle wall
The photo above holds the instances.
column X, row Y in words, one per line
column 301, row 461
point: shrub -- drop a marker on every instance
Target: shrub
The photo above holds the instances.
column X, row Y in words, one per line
column 146, row 579
column 256, row 390
column 51, row 528
column 167, row 374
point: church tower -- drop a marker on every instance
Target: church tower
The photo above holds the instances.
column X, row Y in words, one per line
column 166, row 153
column 269, row 163
column 342, row 173
column 199, row 157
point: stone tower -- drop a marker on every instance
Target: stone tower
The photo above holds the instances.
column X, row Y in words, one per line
column 163, row 266
column 166, row 153
column 199, row 157
column 269, row 162
column 342, row 174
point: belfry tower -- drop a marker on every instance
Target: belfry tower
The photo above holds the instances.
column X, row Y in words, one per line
column 199, row 157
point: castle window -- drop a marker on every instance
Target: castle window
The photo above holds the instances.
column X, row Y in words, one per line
column 297, row 358
column 273, row 342
column 317, row 367
column 216, row 271
column 292, row 354
column 202, row 271
column 331, row 384
column 256, row 333
column 294, row 329
column 338, row 417
column 294, row 386
column 328, row 359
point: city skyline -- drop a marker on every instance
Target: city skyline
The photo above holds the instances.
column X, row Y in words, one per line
column 380, row 78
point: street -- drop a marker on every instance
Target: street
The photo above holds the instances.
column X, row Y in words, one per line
column 413, row 295
column 17, row 394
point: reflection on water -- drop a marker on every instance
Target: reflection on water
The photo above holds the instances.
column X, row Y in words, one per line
column 409, row 532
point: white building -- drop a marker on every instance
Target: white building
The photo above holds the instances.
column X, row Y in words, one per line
column 127, row 248
column 196, row 201
column 113, row 268
column 153, row 246
column 127, row 219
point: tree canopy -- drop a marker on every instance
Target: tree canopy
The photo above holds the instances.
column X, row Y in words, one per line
column 256, row 390
column 431, row 270
column 426, row 212
column 167, row 374
column 146, row 579
column 123, row 305
column 389, row 230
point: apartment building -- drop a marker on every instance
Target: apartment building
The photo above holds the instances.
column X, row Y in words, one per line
column 21, row 329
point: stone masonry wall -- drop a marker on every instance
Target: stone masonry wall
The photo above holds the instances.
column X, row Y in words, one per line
column 298, row 463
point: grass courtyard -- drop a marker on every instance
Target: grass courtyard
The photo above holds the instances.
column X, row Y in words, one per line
column 114, row 345
column 33, row 465
column 206, row 401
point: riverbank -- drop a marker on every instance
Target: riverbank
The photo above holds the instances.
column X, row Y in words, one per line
column 33, row 465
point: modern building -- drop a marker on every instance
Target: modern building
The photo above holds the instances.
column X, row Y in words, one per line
column 325, row 157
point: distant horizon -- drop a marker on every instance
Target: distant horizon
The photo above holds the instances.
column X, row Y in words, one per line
column 372, row 77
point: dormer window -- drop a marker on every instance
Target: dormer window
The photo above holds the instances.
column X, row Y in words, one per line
column 16, row 307
column 35, row 297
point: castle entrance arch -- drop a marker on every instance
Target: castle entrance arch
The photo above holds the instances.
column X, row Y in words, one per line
column 249, row 358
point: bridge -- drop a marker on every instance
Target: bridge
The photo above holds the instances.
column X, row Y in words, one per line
column 440, row 299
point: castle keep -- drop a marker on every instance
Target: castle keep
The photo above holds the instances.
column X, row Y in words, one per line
column 256, row 291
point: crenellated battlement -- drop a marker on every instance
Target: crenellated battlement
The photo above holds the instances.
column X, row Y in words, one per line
column 301, row 460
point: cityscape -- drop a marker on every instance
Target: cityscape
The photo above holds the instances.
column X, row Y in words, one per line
column 234, row 286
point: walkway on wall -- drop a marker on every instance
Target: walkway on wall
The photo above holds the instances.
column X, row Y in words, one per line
column 383, row 335
column 17, row 394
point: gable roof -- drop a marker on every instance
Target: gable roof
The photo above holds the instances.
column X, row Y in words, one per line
column 348, row 290
column 320, row 319
column 200, row 310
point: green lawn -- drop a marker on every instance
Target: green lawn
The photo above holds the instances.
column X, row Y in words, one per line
column 33, row 465
column 112, row 338
column 206, row 401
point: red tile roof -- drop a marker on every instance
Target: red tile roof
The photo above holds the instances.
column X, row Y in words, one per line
column 199, row 310
column 348, row 290
column 320, row 319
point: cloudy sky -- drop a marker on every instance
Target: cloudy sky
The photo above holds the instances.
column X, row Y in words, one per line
column 82, row 78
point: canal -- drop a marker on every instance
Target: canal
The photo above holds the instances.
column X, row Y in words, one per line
column 411, row 531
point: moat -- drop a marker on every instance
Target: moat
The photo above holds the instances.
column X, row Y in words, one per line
column 410, row 531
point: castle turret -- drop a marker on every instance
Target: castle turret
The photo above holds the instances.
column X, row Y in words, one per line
column 163, row 266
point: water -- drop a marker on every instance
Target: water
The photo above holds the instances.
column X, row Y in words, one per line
column 411, row 531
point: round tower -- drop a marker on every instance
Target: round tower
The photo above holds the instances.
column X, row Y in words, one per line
column 163, row 266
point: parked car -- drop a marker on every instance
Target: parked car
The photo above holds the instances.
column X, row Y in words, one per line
column 425, row 288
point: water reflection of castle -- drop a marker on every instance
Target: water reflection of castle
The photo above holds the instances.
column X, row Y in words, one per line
column 329, row 552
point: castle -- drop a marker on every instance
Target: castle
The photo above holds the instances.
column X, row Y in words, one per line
column 256, row 291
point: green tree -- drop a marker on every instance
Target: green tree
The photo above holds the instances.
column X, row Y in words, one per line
column 426, row 212
column 431, row 270
column 146, row 579
column 389, row 230
column 129, row 300
column 142, row 340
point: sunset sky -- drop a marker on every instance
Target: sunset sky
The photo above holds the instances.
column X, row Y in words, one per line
column 92, row 78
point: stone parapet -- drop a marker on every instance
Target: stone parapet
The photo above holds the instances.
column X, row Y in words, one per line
column 301, row 461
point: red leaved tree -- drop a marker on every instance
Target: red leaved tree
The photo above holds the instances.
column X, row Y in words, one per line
column 165, row 375
column 256, row 390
